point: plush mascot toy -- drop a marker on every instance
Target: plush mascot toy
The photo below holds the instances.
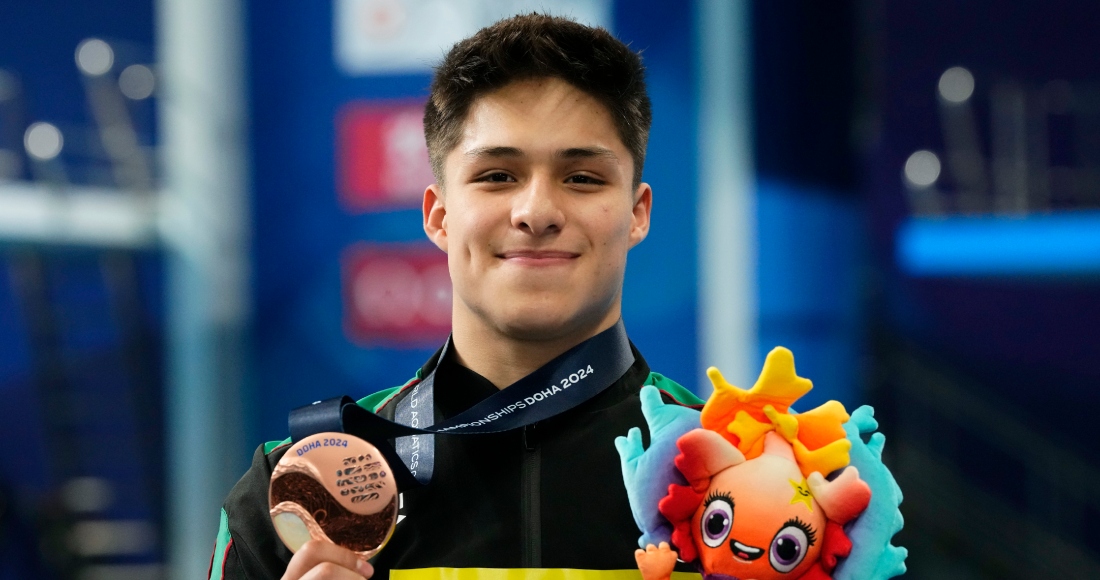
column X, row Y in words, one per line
column 747, row 489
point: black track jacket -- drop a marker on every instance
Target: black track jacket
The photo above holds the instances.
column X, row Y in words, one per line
column 546, row 501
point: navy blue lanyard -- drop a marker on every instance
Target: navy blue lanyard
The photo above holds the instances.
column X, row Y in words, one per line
column 572, row 378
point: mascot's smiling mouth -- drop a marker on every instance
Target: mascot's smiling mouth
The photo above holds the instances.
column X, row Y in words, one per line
column 743, row 552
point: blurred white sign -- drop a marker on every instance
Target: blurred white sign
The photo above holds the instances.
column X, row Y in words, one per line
column 402, row 36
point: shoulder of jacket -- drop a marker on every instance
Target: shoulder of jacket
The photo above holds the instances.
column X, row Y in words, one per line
column 678, row 393
column 246, row 543
column 222, row 544
column 376, row 401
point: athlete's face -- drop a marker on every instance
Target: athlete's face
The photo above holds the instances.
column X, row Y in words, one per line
column 537, row 212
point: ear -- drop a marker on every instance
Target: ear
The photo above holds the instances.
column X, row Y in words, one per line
column 643, row 204
column 843, row 498
column 704, row 453
column 435, row 216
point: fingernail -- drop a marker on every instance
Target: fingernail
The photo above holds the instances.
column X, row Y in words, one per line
column 364, row 568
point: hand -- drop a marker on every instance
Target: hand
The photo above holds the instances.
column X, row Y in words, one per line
column 318, row 560
column 656, row 562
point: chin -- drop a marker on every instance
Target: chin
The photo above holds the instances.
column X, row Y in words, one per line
column 538, row 321
column 543, row 315
column 537, row 326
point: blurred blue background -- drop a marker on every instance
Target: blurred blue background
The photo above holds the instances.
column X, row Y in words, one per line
column 200, row 224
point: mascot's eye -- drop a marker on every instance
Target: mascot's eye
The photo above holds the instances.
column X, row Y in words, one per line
column 790, row 545
column 717, row 520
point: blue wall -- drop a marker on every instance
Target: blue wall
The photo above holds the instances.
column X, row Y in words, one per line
column 811, row 277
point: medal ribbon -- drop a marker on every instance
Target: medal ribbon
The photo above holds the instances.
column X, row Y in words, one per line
column 572, row 378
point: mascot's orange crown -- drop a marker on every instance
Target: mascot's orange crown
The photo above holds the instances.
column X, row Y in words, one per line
column 744, row 417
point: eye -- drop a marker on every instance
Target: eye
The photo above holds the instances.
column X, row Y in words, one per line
column 584, row 180
column 496, row 177
column 717, row 520
column 790, row 545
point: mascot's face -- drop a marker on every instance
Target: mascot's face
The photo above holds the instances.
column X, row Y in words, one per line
column 758, row 521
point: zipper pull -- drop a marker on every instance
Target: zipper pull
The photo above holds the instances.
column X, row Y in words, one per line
column 530, row 437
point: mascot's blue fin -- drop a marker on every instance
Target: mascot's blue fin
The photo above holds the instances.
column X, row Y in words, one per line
column 647, row 473
column 873, row 557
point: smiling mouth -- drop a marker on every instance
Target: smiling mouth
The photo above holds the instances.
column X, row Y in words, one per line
column 745, row 552
column 536, row 255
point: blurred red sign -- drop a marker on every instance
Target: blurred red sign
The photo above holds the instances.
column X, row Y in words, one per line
column 396, row 294
column 382, row 161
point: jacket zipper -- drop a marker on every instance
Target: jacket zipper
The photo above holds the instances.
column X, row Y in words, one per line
column 531, row 500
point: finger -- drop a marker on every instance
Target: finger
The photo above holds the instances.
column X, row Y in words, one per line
column 330, row 571
column 622, row 445
column 630, row 445
column 651, row 402
column 664, row 547
column 329, row 557
column 314, row 553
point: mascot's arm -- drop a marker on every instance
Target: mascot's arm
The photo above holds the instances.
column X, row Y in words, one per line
column 656, row 562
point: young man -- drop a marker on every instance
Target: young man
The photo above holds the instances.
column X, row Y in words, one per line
column 537, row 130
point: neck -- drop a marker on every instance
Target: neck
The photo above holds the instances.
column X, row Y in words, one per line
column 504, row 358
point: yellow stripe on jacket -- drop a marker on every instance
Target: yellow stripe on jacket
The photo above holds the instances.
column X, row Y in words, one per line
column 525, row 574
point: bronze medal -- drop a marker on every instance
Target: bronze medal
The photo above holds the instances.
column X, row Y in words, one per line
column 336, row 488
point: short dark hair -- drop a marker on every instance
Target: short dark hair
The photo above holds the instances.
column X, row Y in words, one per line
column 532, row 46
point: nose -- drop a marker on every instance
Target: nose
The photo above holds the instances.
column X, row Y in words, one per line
column 537, row 210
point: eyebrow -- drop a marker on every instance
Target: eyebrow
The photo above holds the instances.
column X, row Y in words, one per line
column 587, row 153
column 570, row 153
column 498, row 151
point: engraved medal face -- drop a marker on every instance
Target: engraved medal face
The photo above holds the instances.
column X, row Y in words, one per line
column 336, row 488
